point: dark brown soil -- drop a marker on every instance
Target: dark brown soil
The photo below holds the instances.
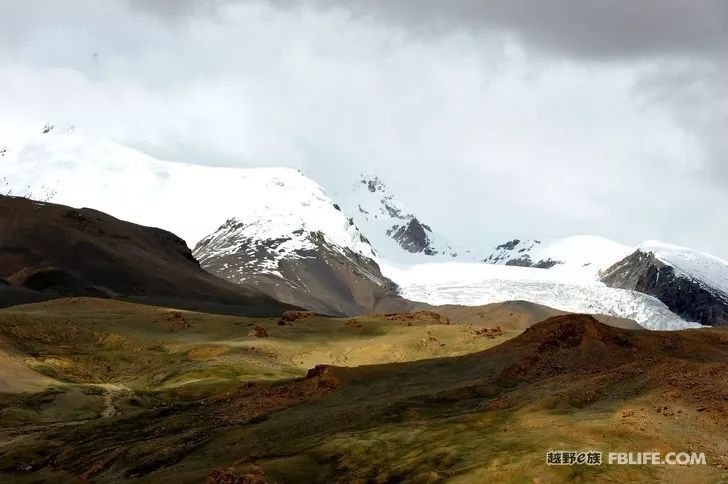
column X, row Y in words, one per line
column 258, row 332
column 175, row 320
column 429, row 317
column 293, row 316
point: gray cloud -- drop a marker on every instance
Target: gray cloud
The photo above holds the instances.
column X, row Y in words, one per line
column 696, row 96
column 588, row 29
column 180, row 9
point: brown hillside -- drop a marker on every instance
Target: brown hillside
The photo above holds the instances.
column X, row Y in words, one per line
column 58, row 250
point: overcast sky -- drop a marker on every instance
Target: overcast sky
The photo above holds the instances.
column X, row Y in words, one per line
column 492, row 120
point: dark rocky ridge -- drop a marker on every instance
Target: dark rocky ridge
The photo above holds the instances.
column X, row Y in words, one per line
column 49, row 250
column 691, row 299
column 521, row 258
column 525, row 261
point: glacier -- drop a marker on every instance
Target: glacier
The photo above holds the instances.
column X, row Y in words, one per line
column 478, row 284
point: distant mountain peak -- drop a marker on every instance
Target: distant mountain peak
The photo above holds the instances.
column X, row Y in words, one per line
column 396, row 232
column 583, row 254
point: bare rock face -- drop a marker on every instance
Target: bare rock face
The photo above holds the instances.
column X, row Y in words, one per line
column 692, row 299
column 413, row 237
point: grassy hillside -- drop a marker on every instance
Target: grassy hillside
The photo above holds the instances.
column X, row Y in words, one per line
column 108, row 391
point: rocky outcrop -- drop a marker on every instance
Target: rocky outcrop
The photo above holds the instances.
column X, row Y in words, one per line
column 258, row 331
column 691, row 298
column 413, row 237
column 424, row 316
column 518, row 253
column 293, row 316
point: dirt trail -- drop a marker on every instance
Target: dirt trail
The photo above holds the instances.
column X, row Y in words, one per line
column 111, row 392
column 110, row 409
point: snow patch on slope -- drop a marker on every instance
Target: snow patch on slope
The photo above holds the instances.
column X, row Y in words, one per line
column 478, row 284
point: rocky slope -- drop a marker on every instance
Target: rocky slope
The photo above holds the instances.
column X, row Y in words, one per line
column 691, row 283
column 57, row 250
column 304, row 268
column 12, row 295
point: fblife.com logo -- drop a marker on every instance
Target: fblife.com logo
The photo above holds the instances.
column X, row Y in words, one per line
column 591, row 457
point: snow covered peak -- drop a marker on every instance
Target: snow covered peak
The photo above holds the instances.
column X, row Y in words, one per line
column 394, row 230
column 581, row 254
column 192, row 201
column 515, row 252
column 707, row 269
column 374, row 194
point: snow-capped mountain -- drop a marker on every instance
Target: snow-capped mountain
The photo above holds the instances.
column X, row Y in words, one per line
column 398, row 235
column 266, row 221
column 581, row 254
column 395, row 232
column 691, row 283
column 191, row 200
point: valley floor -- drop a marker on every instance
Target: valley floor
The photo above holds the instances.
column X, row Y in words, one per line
column 103, row 390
